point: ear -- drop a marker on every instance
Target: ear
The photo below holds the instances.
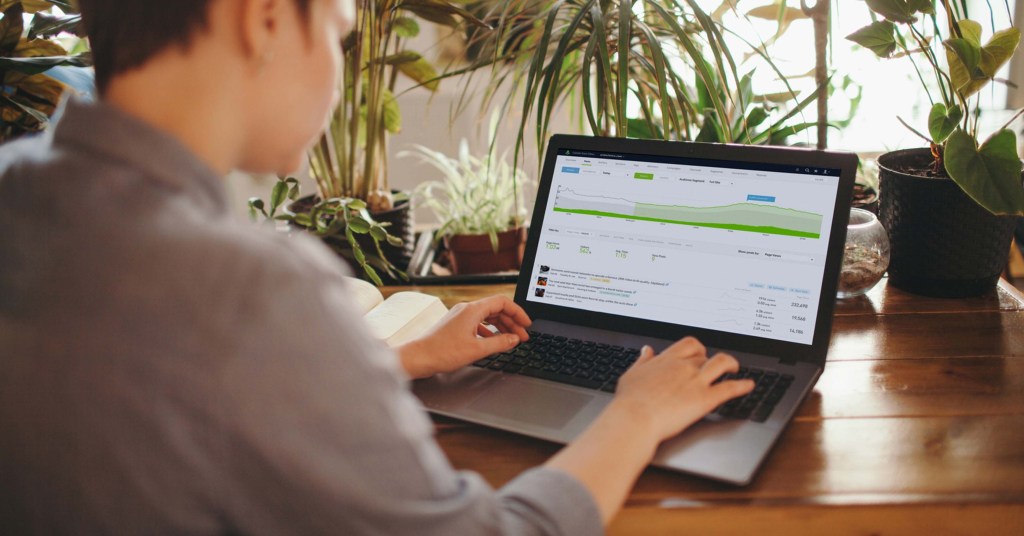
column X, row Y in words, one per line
column 259, row 25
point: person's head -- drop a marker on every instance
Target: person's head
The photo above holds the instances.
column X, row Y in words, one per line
column 283, row 55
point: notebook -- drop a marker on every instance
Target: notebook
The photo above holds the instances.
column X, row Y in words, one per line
column 638, row 242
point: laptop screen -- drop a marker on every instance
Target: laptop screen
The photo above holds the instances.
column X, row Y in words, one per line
column 736, row 247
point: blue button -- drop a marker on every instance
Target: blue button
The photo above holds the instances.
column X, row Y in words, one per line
column 567, row 169
column 765, row 198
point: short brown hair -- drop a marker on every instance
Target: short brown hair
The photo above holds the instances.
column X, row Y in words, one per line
column 124, row 34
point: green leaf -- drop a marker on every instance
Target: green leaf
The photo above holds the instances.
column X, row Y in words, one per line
column 378, row 232
column 278, row 195
column 440, row 12
column 894, row 10
column 966, row 81
column 879, row 37
column 303, row 219
column 405, row 56
column 998, row 51
column 256, row 208
column 394, row 241
column 967, row 52
column 970, row 30
column 942, row 121
column 356, row 204
column 359, row 225
column 991, row 174
column 422, row 71
column 406, row 27
column 392, row 113
column 922, row 6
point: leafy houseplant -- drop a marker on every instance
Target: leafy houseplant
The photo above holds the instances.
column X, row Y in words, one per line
column 29, row 93
column 941, row 204
column 349, row 163
column 637, row 68
column 479, row 203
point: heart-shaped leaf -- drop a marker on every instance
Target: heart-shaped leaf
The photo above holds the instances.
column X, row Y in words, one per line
column 969, row 78
column 970, row 30
column 942, row 121
column 894, row 10
column 922, row 6
column 879, row 37
column 991, row 174
column 998, row 51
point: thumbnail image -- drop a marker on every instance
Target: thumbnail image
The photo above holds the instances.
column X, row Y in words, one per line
column 544, row 269
column 539, row 292
column 542, row 281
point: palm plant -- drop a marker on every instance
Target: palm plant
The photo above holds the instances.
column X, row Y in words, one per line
column 29, row 94
column 350, row 161
column 640, row 68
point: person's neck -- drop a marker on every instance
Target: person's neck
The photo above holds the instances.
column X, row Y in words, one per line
column 194, row 105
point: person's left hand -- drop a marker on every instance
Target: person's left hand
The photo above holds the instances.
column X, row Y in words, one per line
column 461, row 338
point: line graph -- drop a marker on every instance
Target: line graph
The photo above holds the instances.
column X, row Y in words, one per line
column 746, row 217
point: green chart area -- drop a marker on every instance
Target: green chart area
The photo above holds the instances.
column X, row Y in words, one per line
column 746, row 217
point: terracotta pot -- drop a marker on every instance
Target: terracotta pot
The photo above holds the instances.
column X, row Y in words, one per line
column 473, row 254
column 943, row 243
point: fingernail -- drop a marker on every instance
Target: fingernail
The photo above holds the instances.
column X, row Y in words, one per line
column 512, row 339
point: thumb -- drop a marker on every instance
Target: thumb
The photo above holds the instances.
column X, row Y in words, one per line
column 497, row 343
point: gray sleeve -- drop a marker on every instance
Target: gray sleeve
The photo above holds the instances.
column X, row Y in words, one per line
column 320, row 433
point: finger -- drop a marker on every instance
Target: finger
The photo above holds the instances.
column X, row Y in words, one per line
column 687, row 347
column 728, row 390
column 508, row 324
column 646, row 354
column 718, row 365
column 497, row 343
column 502, row 305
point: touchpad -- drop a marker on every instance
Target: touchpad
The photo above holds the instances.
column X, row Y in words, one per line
column 532, row 403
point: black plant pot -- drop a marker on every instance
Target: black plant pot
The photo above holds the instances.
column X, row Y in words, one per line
column 943, row 243
column 401, row 225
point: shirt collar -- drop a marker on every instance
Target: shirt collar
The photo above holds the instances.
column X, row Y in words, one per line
column 105, row 130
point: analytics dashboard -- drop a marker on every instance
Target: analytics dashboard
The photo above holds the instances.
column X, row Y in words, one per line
column 729, row 246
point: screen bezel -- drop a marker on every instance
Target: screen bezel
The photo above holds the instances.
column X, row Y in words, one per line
column 814, row 352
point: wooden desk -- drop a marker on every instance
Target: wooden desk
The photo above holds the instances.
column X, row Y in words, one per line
column 916, row 427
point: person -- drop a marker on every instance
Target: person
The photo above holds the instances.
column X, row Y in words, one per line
column 166, row 369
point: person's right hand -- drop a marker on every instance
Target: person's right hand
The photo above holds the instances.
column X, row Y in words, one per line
column 672, row 390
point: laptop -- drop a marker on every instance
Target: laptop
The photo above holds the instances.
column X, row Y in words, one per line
column 638, row 242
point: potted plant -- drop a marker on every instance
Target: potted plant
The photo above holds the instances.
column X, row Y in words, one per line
column 31, row 87
column 948, row 206
column 349, row 163
column 648, row 68
column 479, row 203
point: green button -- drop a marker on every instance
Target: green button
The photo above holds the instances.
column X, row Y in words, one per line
column 644, row 176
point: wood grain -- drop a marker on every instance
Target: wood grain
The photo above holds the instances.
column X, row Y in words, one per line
column 915, row 427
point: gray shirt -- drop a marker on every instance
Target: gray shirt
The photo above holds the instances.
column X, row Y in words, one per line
column 166, row 369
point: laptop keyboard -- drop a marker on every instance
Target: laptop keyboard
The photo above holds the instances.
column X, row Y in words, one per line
column 757, row 405
column 572, row 361
column 598, row 366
